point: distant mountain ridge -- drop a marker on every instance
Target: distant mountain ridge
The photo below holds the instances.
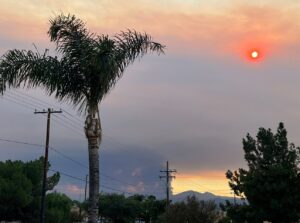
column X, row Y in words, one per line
column 206, row 196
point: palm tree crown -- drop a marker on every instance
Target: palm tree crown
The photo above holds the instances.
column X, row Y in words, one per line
column 88, row 67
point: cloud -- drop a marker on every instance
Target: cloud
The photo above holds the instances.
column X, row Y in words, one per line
column 72, row 190
column 139, row 188
column 118, row 172
column 136, row 172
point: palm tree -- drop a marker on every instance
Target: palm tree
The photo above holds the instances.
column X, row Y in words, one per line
column 86, row 70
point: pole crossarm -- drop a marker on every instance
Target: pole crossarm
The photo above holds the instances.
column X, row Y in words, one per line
column 46, row 111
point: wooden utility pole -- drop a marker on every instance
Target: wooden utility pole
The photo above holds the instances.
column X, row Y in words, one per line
column 42, row 208
column 168, row 176
column 85, row 189
column 2, row 85
column 234, row 198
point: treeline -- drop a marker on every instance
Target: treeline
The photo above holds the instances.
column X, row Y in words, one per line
column 115, row 208
column 20, row 194
column 270, row 186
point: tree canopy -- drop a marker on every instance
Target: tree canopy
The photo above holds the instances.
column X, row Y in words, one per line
column 20, row 189
column 192, row 210
column 117, row 208
column 271, row 182
column 58, row 208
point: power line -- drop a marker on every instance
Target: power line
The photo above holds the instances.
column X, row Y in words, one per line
column 66, row 157
column 22, row 100
column 83, row 180
column 198, row 185
column 60, row 121
column 72, row 121
column 74, row 117
column 201, row 185
column 66, row 125
column 69, row 123
column 16, row 102
column 31, row 99
column 52, row 148
column 63, row 173
column 193, row 183
column 206, row 189
column 36, row 99
column 11, row 93
column 67, row 175
column 69, row 158
column 19, row 142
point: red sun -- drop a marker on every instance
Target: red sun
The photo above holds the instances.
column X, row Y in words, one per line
column 254, row 55
column 253, row 50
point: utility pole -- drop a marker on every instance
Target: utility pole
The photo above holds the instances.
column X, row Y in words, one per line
column 42, row 208
column 168, row 176
column 234, row 198
column 2, row 85
column 85, row 189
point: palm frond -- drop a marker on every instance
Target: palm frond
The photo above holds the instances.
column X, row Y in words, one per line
column 27, row 67
column 31, row 69
column 70, row 36
column 124, row 49
column 89, row 65
column 132, row 44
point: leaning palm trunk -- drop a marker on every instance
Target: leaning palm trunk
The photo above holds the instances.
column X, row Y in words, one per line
column 93, row 133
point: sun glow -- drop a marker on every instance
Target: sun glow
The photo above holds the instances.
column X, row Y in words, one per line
column 254, row 51
column 254, row 54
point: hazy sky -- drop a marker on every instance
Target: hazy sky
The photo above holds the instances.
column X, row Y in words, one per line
column 191, row 106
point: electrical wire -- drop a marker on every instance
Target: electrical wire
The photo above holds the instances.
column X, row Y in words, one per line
column 67, row 123
column 66, row 157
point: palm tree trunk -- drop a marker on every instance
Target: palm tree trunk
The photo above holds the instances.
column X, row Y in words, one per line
column 93, row 133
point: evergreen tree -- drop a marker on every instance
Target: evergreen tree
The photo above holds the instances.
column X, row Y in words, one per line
column 271, row 182
column 20, row 189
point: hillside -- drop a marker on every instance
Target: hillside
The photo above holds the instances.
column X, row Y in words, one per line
column 203, row 196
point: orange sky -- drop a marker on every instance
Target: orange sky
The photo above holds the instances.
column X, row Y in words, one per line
column 230, row 28
column 212, row 181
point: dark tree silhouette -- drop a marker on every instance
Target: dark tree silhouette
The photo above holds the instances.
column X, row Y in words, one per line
column 271, row 183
